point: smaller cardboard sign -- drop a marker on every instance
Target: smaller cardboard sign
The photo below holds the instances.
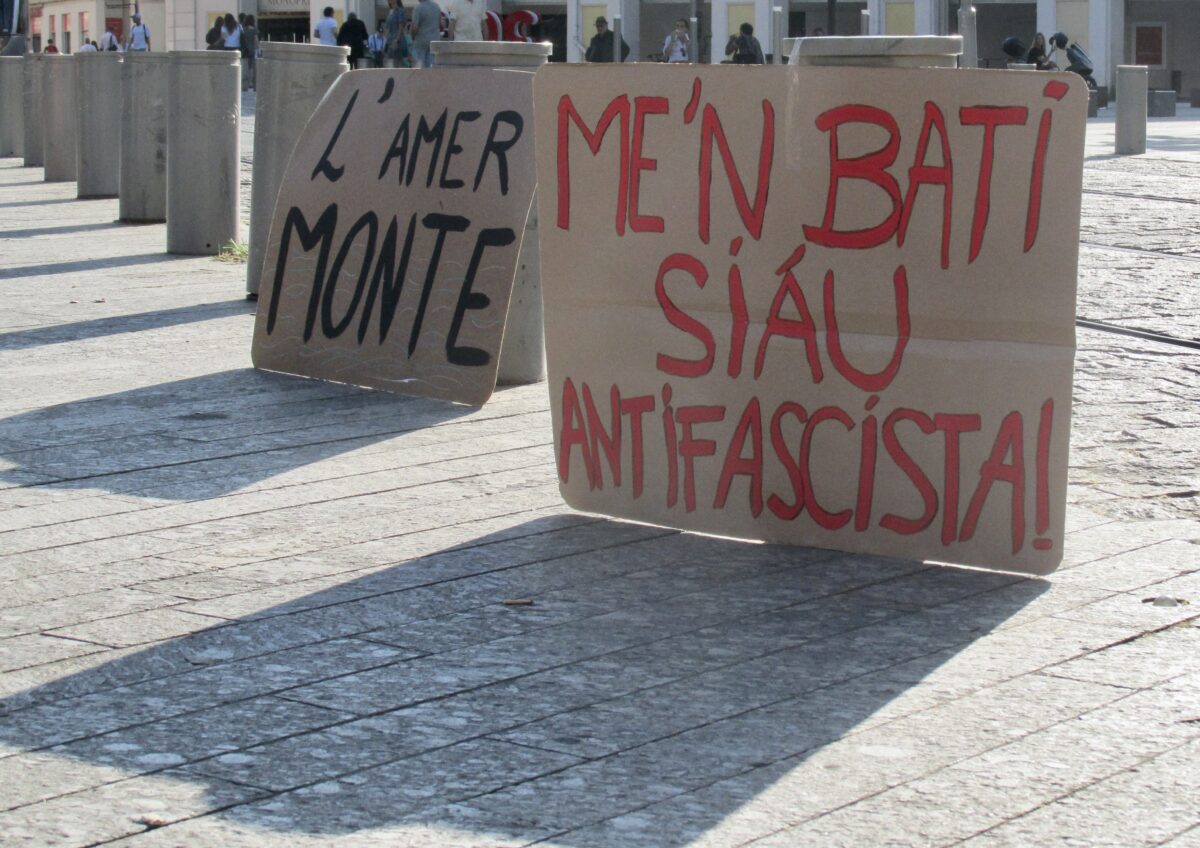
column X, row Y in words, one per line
column 396, row 234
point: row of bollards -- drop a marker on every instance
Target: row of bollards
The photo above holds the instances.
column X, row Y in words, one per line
column 161, row 131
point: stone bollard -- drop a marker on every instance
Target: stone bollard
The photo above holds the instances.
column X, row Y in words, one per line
column 60, row 130
column 12, row 106
column 778, row 27
column 523, row 350
column 292, row 79
column 98, row 113
column 31, row 98
column 879, row 51
column 143, row 171
column 204, row 93
column 969, row 32
column 1132, row 94
column 864, row 22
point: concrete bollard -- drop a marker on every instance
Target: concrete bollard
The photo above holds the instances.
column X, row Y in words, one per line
column 864, row 22
column 969, row 31
column 143, row 171
column 60, row 131
column 292, row 79
column 203, row 163
column 12, row 106
column 523, row 350
column 35, row 113
column 879, row 51
column 98, row 113
column 778, row 27
column 1132, row 95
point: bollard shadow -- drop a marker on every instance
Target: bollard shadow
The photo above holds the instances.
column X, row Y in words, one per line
column 61, row 200
column 119, row 324
column 204, row 436
column 47, row 269
column 649, row 665
column 62, row 230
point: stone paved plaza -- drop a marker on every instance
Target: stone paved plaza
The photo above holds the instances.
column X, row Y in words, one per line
column 245, row 609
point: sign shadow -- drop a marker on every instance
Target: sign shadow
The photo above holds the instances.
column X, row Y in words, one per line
column 642, row 665
column 204, row 436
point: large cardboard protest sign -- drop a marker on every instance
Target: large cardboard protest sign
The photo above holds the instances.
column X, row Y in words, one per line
column 832, row 307
column 397, row 229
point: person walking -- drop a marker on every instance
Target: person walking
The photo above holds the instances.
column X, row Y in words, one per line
column 466, row 19
column 600, row 49
column 395, row 41
column 249, row 53
column 426, row 28
column 231, row 33
column 353, row 34
column 87, row 47
column 109, row 41
column 50, row 47
column 744, row 47
column 139, row 36
column 678, row 43
column 376, row 45
column 326, row 28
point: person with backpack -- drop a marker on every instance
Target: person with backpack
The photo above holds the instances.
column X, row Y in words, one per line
column 108, row 41
column 744, row 47
column 139, row 36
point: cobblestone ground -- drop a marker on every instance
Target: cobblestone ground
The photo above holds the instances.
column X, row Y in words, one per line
column 242, row 609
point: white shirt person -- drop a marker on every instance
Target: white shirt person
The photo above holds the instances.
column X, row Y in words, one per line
column 326, row 29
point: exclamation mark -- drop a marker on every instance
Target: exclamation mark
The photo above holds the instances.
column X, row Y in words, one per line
column 1043, row 477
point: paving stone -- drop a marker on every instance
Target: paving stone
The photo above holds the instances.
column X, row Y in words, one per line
column 312, row 575
column 116, row 809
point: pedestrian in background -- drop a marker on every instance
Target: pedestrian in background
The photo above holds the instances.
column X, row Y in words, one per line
column 600, row 49
column 109, row 40
column 249, row 53
column 376, row 45
column 231, row 33
column 466, row 19
column 744, row 47
column 426, row 28
column 139, row 36
column 87, row 47
column 353, row 34
column 395, row 27
column 677, row 44
column 326, row 28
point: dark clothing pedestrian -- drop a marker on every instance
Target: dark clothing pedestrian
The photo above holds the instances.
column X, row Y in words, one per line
column 353, row 34
column 744, row 49
column 601, row 48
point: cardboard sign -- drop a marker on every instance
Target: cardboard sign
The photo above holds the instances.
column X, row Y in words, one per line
column 396, row 233
column 832, row 307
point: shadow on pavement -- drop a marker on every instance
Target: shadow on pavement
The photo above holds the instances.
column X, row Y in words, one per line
column 63, row 230
column 118, row 324
column 205, row 436
column 98, row 264
column 649, row 665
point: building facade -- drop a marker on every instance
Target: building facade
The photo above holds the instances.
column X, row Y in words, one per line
column 1158, row 33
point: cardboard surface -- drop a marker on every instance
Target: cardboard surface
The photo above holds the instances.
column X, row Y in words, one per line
column 396, row 233
column 829, row 306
